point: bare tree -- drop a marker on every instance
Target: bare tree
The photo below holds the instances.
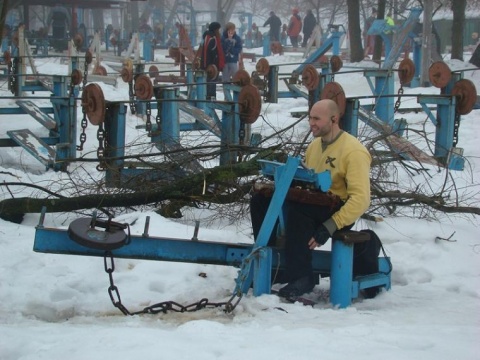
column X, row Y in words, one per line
column 356, row 48
column 458, row 7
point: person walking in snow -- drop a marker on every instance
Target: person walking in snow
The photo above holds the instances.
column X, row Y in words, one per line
column 294, row 27
column 212, row 54
column 309, row 22
column 275, row 25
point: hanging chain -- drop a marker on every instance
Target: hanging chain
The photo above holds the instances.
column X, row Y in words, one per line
column 158, row 118
column 148, row 122
column 13, row 67
column 85, row 74
column 83, row 135
column 162, row 307
column 241, row 133
column 131, row 94
column 241, row 139
column 102, row 143
column 398, row 102
column 265, row 85
column 456, row 126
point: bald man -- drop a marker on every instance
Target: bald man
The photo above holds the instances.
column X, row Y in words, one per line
column 309, row 226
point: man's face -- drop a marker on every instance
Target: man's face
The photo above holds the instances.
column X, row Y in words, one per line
column 320, row 121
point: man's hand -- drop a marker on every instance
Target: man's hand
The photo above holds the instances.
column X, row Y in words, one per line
column 319, row 238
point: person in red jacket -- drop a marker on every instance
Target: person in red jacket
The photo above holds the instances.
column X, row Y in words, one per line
column 294, row 27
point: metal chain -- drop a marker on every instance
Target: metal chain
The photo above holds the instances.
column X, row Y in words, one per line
column 148, row 122
column 161, row 307
column 101, row 136
column 241, row 133
column 83, row 135
column 13, row 75
column 85, row 74
column 398, row 102
column 133, row 106
column 456, row 126
column 158, row 118
column 265, row 84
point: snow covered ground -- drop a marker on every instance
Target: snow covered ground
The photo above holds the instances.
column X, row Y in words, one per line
column 57, row 306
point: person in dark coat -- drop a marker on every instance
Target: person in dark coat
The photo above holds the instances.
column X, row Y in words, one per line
column 309, row 23
column 275, row 25
column 212, row 54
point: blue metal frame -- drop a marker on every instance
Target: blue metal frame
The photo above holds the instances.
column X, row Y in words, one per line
column 273, row 94
column 64, row 110
column 256, row 262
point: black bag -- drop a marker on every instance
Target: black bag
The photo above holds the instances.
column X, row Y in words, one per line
column 365, row 259
column 365, row 255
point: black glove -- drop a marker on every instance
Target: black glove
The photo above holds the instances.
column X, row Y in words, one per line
column 321, row 235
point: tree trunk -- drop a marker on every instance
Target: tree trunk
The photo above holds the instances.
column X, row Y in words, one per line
column 354, row 30
column 426, row 41
column 458, row 8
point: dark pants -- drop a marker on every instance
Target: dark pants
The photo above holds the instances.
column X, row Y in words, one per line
column 294, row 41
column 212, row 88
column 301, row 221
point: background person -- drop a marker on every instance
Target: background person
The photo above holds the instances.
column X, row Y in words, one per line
column 212, row 55
column 232, row 47
column 309, row 22
column 369, row 39
column 294, row 27
column 275, row 24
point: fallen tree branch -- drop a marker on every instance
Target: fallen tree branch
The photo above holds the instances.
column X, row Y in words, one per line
column 189, row 189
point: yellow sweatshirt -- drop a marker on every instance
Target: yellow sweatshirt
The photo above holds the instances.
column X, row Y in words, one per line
column 349, row 163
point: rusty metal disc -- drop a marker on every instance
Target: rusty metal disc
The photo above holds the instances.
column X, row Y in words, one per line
column 406, row 71
column 250, row 103
column 276, row 47
column 78, row 40
column 152, row 71
column 334, row 91
column 143, row 87
column 93, row 103
column 241, row 78
column 76, row 77
column 439, row 74
column 212, row 72
column 336, row 63
column 262, row 67
column 7, row 56
column 126, row 74
column 466, row 93
column 100, row 70
column 310, row 77
column 88, row 57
